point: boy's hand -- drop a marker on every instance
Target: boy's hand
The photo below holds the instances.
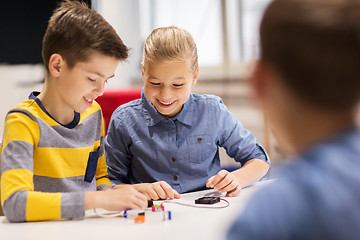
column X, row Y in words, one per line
column 225, row 181
column 125, row 197
column 157, row 190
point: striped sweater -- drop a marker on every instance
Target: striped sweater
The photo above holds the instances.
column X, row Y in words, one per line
column 46, row 167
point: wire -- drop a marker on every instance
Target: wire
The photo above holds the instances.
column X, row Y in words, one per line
column 199, row 206
column 109, row 214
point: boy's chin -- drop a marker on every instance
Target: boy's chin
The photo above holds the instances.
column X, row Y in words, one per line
column 81, row 110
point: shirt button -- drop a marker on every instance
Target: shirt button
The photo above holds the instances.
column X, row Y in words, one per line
column 199, row 140
column 173, row 159
column 175, row 178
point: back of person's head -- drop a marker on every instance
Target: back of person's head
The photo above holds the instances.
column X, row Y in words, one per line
column 170, row 44
column 314, row 45
column 75, row 32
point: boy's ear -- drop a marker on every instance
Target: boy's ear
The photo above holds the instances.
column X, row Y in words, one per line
column 55, row 64
column 259, row 79
column 196, row 76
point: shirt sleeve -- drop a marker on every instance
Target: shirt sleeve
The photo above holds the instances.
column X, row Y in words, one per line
column 19, row 200
column 238, row 142
column 117, row 153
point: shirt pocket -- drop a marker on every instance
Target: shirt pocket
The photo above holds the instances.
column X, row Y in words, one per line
column 91, row 165
column 199, row 147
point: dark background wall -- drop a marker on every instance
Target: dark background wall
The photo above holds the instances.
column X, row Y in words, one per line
column 22, row 27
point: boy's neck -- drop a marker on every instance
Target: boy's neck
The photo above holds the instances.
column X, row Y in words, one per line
column 313, row 126
column 51, row 101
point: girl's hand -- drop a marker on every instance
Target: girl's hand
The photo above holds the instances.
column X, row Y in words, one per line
column 157, row 190
column 225, row 181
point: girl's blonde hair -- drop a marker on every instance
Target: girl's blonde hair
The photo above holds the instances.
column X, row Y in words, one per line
column 170, row 44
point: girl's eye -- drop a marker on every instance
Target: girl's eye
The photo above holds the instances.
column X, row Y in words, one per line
column 92, row 80
column 178, row 85
column 155, row 84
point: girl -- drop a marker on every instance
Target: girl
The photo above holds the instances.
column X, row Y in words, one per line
column 168, row 141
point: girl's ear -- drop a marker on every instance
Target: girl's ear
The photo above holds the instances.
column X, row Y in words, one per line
column 143, row 73
column 55, row 64
column 196, row 75
column 142, row 70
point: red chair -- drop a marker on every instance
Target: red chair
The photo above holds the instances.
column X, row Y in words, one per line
column 113, row 98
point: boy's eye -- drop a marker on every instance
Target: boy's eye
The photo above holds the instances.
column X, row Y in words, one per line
column 178, row 85
column 92, row 80
column 155, row 84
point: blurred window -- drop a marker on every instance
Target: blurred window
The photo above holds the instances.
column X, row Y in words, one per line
column 204, row 20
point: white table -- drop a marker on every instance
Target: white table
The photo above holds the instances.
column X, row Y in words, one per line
column 187, row 223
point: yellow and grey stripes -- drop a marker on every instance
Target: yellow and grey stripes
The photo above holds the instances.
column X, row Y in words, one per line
column 44, row 163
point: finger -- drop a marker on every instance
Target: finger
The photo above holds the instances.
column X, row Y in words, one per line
column 147, row 195
column 118, row 186
column 145, row 192
column 167, row 189
column 176, row 194
column 223, row 183
column 141, row 203
column 209, row 182
column 219, row 178
column 152, row 193
column 137, row 199
column 234, row 192
column 159, row 191
column 135, row 206
column 142, row 197
column 228, row 188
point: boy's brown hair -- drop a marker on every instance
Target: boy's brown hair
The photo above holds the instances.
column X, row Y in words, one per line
column 75, row 31
column 315, row 47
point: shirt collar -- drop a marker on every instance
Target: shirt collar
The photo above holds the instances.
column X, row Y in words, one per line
column 72, row 124
column 153, row 117
column 185, row 115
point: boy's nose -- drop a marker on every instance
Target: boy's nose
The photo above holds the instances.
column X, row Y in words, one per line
column 99, row 90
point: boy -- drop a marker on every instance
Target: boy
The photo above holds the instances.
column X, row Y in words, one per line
column 308, row 81
column 168, row 141
column 52, row 152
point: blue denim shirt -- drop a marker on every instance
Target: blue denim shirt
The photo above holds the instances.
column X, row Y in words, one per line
column 316, row 196
column 145, row 146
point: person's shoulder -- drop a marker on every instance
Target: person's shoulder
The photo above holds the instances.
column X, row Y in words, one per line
column 28, row 108
column 270, row 208
column 128, row 109
column 326, row 155
column 345, row 143
column 207, row 100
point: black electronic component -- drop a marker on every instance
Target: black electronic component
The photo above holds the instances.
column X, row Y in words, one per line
column 150, row 203
column 207, row 200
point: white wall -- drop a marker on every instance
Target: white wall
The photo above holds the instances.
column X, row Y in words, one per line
column 16, row 83
column 123, row 15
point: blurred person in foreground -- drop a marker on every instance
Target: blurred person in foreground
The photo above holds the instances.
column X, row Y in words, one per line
column 308, row 82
